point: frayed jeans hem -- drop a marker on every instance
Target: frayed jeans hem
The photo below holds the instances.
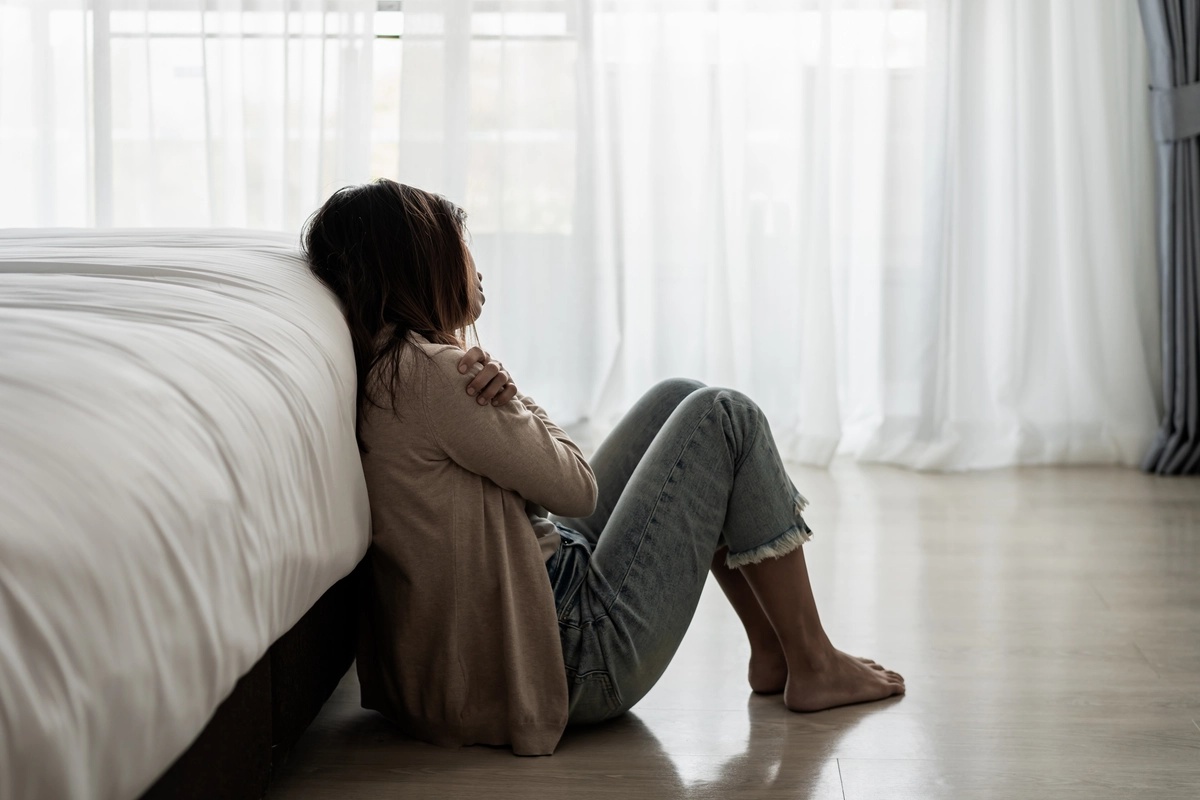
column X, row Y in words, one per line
column 781, row 545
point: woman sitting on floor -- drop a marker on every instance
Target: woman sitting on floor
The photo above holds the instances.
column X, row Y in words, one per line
column 513, row 587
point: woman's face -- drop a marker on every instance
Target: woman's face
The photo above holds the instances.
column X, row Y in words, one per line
column 478, row 309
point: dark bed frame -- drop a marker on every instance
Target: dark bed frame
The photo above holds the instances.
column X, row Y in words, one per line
column 253, row 731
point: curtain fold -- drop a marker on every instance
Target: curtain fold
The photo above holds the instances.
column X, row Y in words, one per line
column 241, row 113
column 1172, row 29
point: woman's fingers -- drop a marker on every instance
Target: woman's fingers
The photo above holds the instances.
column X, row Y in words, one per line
column 470, row 358
column 483, row 379
column 506, row 396
column 492, row 384
column 495, row 388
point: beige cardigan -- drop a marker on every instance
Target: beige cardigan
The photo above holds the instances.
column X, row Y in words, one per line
column 460, row 640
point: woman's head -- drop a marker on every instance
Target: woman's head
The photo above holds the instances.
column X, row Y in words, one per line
column 395, row 256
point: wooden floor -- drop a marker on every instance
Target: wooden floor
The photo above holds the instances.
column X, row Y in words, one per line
column 1047, row 622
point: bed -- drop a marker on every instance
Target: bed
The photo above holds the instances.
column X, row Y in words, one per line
column 182, row 509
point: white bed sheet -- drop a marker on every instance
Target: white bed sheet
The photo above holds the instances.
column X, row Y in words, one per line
column 179, row 483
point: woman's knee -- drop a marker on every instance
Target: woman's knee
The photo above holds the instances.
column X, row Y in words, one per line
column 675, row 388
column 744, row 418
column 677, row 393
column 729, row 397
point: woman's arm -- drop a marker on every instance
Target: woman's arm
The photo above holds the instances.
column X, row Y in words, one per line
column 515, row 445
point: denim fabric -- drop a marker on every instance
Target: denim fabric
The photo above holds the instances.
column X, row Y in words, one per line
column 567, row 566
column 688, row 469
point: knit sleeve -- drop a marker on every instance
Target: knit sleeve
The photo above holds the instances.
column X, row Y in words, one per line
column 515, row 445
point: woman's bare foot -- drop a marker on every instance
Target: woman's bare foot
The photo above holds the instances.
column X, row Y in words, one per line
column 769, row 673
column 839, row 680
column 768, row 670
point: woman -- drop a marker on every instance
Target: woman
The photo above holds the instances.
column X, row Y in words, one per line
column 486, row 619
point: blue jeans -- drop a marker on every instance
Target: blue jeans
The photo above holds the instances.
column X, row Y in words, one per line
column 688, row 470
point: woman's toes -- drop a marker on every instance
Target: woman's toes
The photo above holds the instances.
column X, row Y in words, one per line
column 847, row 679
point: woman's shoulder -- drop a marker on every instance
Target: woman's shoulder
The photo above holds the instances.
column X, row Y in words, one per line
column 405, row 367
column 438, row 363
column 418, row 351
column 420, row 371
column 429, row 372
column 433, row 351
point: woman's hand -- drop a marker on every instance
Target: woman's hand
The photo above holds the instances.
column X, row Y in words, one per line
column 493, row 384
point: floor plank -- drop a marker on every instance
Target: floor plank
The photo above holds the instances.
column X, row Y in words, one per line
column 1047, row 621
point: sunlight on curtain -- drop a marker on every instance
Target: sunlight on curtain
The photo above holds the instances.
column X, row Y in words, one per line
column 915, row 231
column 189, row 112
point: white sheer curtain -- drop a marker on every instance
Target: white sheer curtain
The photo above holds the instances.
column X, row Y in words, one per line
column 181, row 112
column 712, row 173
column 916, row 231
column 1027, row 332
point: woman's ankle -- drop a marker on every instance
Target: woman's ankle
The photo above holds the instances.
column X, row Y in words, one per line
column 811, row 657
column 767, row 671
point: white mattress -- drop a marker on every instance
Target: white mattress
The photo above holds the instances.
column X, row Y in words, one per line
column 179, row 483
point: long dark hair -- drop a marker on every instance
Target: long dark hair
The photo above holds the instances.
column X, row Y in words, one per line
column 394, row 255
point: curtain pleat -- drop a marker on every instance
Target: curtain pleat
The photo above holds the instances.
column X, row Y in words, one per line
column 1172, row 29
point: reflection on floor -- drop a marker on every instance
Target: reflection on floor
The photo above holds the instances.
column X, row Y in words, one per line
column 1047, row 622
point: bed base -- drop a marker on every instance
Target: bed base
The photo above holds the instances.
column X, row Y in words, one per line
column 253, row 731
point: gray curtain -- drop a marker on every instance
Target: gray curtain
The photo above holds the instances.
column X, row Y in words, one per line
column 1173, row 34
